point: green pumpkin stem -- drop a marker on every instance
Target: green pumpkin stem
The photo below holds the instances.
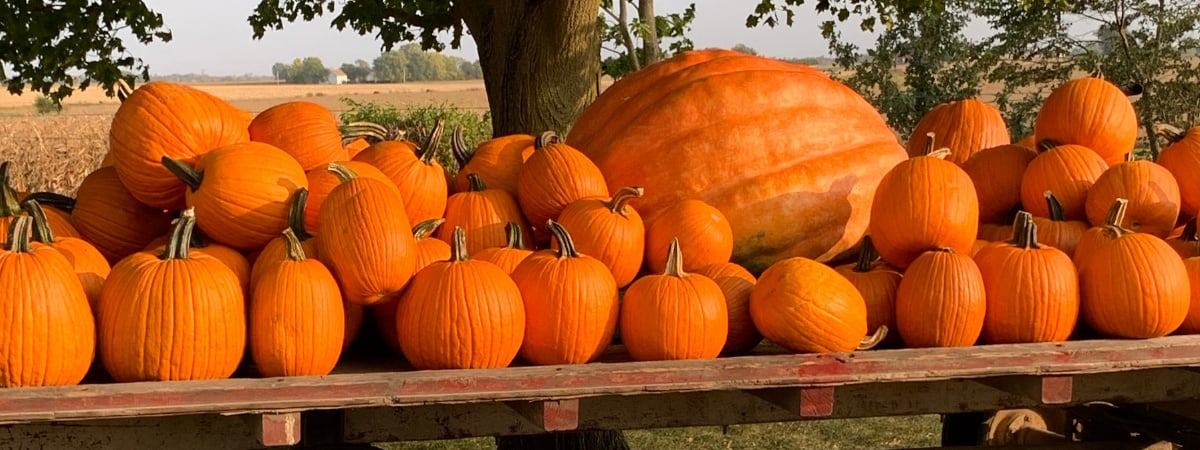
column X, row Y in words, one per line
column 1056, row 208
column 874, row 339
column 458, row 146
column 1025, row 232
column 18, row 235
column 424, row 229
column 516, row 238
column 343, row 173
column 617, row 203
column 295, row 250
column 1045, row 145
column 546, row 138
column 179, row 242
column 866, row 255
column 674, row 260
column 477, row 184
column 458, row 245
column 188, row 174
column 296, row 214
column 54, row 199
column 9, row 204
column 41, row 227
column 431, row 145
column 566, row 246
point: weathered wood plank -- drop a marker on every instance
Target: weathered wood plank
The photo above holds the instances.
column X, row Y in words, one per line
column 203, row 432
column 277, row 430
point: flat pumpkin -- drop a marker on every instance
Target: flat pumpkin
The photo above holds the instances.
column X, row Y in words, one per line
column 807, row 307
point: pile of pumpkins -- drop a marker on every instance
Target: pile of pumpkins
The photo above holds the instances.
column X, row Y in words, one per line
column 210, row 235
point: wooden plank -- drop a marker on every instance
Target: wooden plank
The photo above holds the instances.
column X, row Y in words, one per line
column 358, row 390
column 204, row 432
column 1049, row 390
column 550, row 415
column 277, row 430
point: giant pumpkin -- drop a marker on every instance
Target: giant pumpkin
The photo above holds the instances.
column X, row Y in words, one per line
column 790, row 156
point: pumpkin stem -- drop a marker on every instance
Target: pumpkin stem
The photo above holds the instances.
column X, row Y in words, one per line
column 1025, row 232
column 458, row 146
column 18, row 235
column 424, row 229
column 295, row 250
column 1132, row 90
column 53, row 199
column 1056, row 207
column 928, row 143
column 296, row 214
column 1131, row 156
column 343, row 173
column 617, row 203
column 866, row 255
column 1189, row 231
column 566, row 246
column 874, row 340
column 178, row 243
column 477, row 184
column 941, row 153
column 9, row 206
column 516, row 238
column 431, row 145
column 190, row 176
column 1045, row 145
column 1170, row 133
column 1116, row 213
column 674, row 260
column 364, row 130
column 458, row 245
column 547, row 138
column 123, row 90
column 41, row 228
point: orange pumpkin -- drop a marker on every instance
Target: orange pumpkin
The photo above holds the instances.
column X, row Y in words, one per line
column 1066, row 170
column 497, row 162
column 1191, row 323
column 877, row 282
column 674, row 315
column 610, row 231
column 420, row 178
column 108, row 216
column 483, row 213
column 510, row 255
column 1152, row 193
column 1182, row 159
column 354, row 147
column 276, row 251
column 807, row 195
column 1096, row 236
column 994, row 232
column 737, row 283
column 1187, row 243
column 87, row 262
column 702, row 232
column 1090, row 112
column 199, row 244
column 964, row 126
column 941, row 301
column 321, row 181
column 555, row 175
column 429, row 250
column 997, row 173
column 461, row 314
column 807, row 307
column 10, row 208
column 306, row 130
column 1058, row 232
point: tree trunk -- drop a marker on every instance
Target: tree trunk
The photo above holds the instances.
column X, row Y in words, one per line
column 650, row 40
column 539, row 60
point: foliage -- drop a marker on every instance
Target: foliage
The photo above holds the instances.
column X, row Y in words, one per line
column 625, row 39
column 357, row 72
column 309, row 70
column 45, row 105
column 411, row 63
column 393, row 22
column 416, row 122
column 872, row 12
column 745, row 49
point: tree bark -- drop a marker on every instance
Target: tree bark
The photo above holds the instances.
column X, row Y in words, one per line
column 539, row 60
column 650, row 40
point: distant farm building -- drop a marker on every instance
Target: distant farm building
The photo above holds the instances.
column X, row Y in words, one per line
column 337, row 76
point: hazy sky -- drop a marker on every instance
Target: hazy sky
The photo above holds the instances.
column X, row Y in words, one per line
column 214, row 37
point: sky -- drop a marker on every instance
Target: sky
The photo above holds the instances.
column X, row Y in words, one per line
column 213, row 37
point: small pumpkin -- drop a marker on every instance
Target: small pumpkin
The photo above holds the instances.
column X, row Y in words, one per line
column 110, row 218
column 1151, row 190
column 701, row 229
column 997, row 173
column 1056, row 231
column 611, row 231
column 306, row 130
column 1090, row 112
column 877, row 282
column 1182, row 158
column 1068, row 171
column 941, row 301
column 497, row 161
column 674, row 314
column 86, row 261
column 510, row 255
column 321, row 181
column 429, row 250
column 964, row 126
column 807, row 307
column 555, row 175
column 483, row 213
column 736, row 283
column 415, row 171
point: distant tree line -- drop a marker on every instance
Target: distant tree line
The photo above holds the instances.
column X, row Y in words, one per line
column 407, row 63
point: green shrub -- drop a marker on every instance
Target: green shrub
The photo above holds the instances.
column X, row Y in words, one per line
column 416, row 122
column 44, row 105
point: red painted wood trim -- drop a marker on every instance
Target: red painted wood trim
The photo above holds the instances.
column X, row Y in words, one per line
column 817, row 401
column 1057, row 389
column 280, row 430
column 560, row 415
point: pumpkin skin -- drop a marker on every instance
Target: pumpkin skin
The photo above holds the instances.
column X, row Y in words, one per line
column 877, row 282
column 1097, row 236
column 808, row 195
column 1068, row 171
column 1187, row 243
column 1090, row 112
column 1182, row 159
column 807, row 307
column 175, row 316
column 239, row 210
column 483, row 213
column 701, row 229
column 1058, row 232
column 997, row 173
column 47, row 336
column 674, row 315
column 169, row 119
column 497, row 161
column 276, row 251
column 353, row 148
column 1152, row 193
column 232, row 258
column 1133, row 285
column 736, row 283
column 87, row 262
column 1191, row 323
column 555, row 175
column 429, row 250
column 922, row 204
column 10, row 208
column 297, row 321
column 571, row 304
column 941, row 301
column 994, row 232
column 1032, row 290
column 508, row 256
column 108, row 216
column 964, row 126
column 610, row 231
column 306, row 130
column 321, row 181
column 367, row 241
column 461, row 314
column 421, row 179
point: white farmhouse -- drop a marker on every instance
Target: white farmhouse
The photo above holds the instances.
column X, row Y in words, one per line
column 337, row 76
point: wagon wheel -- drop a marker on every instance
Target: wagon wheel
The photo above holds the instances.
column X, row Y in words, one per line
column 1006, row 427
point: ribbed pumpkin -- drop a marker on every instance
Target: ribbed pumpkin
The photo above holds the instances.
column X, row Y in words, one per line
column 356, row 146
column 570, row 303
column 429, row 250
column 108, row 216
column 994, row 232
column 239, row 210
column 10, row 208
column 1187, row 243
column 1056, row 231
column 922, row 204
column 276, row 251
column 997, row 173
column 366, row 240
column 47, row 333
column 303, row 129
column 763, row 148
column 1096, row 236
column 86, row 261
column 736, row 283
column 483, row 213
column 964, row 126
column 555, row 175
column 807, row 307
column 1191, row 323
column 297, row 322
column 611, row 231
column 497, row 161
column 321, row 181
column 702, row 230
column 877, row 282
column 1182, row 159
column 177, row 315
column 510, row 255
column 941, row 301
column 415, row 171
column 1152, row 193
column 1066, row 170
column 169, row 119
column 1091, row 112
column 1031, row 290
column 461, row 314
column 200, row 244
column 1133, row 285
column 674, row 314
